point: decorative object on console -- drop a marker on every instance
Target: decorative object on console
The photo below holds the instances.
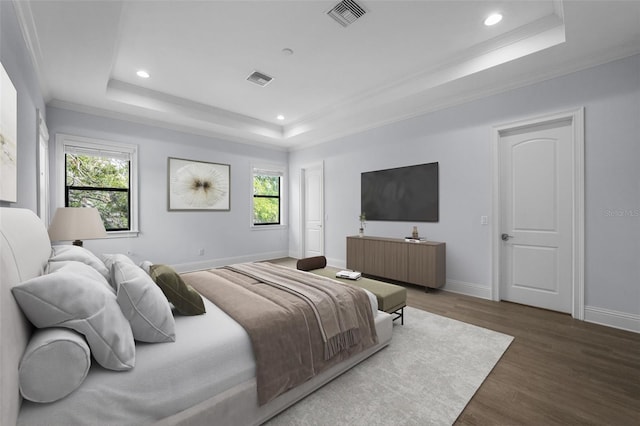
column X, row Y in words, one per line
column 415, row 237
column 363, row 222
column 415, row 240
column 76, row 223
column 198, row 185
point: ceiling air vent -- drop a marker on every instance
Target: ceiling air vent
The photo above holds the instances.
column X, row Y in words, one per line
column 259, row 78
column 346, row 12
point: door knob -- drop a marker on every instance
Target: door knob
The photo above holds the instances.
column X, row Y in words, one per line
column 505, row 237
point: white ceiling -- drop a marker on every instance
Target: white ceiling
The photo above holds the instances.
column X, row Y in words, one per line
column 401, row 59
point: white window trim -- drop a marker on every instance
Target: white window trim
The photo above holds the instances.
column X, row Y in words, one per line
column 43, row 169
column 280, row 169
column 62, row 140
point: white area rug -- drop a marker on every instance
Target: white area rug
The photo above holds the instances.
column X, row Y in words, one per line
column 426, row 376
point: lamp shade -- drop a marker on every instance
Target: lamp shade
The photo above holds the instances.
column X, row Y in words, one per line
column 76, row 223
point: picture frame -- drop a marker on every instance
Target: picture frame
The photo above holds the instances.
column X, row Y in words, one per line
column 8, row 138
column 198, row 185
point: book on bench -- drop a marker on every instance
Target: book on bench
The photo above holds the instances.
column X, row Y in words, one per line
column 351, row 275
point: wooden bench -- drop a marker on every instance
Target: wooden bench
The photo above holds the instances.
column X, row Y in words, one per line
column 391, row 298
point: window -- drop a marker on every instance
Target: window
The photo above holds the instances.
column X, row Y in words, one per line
column 268, row 206
column 100, row 174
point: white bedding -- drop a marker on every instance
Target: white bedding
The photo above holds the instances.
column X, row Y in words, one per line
column 172, row 381
column 167, row 378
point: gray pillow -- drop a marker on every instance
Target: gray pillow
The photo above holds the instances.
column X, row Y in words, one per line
column 110, row 259
column 54, row 364
column 79, row 254
column 80, row 268
column 143, row 304
column 146, row 266
column 73, row 298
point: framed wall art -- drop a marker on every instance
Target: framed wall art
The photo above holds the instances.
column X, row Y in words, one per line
column 198, row 185
column 8, row 138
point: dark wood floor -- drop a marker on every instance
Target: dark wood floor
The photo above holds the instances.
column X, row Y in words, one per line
column 557, row 370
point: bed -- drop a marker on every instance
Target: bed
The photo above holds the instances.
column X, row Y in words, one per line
column 198, row 379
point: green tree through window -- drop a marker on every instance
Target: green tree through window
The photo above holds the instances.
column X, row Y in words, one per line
column 102, row 182
column 266, row 199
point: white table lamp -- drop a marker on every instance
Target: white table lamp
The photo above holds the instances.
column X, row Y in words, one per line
column 76, row 224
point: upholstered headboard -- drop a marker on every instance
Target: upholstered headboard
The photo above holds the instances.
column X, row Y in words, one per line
column 24, row 251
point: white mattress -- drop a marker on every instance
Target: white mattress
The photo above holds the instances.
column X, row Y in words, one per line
column 167, row 378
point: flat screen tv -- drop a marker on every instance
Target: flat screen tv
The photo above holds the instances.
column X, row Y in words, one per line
column 404, row 194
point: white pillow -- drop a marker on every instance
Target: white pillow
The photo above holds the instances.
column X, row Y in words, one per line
column 110, row 259
column 79, row 268
column 143, row 304
column 79, row 254
column 54, row 364
column 71, row 298
column 146, row 266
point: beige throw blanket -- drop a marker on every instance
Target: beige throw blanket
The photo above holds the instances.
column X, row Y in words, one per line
column 295, row 333
column 331, row 304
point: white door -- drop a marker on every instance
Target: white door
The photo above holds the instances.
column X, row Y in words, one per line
column 313, row 186
column 43, row 170
column 536, row 187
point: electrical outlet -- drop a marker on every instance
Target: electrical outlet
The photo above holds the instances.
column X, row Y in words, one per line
column 201, row 252
column 484, row 220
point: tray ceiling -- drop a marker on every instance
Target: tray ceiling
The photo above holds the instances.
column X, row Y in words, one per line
column 398, row 60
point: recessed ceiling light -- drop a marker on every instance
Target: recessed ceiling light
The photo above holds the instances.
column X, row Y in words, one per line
column 493, row 19
column 280, row 117
column 142, row 74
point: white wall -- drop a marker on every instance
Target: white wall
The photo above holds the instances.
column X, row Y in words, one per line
column 177, row 237
column 459, row 138
column 168, row 237
column 16, row 60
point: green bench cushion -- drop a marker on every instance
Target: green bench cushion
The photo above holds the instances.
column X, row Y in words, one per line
column 390, row 297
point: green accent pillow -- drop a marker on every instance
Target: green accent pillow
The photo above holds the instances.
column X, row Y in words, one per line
column 186, row 300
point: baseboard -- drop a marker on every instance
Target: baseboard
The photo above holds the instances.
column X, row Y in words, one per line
column 606, row 317
column 215, row 263
column 468, row 289
column 610, row 318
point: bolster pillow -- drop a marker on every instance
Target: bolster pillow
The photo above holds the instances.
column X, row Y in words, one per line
column 55, row 363
column 311, row 263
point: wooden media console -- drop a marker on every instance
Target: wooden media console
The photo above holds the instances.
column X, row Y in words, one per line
column 422, row 263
